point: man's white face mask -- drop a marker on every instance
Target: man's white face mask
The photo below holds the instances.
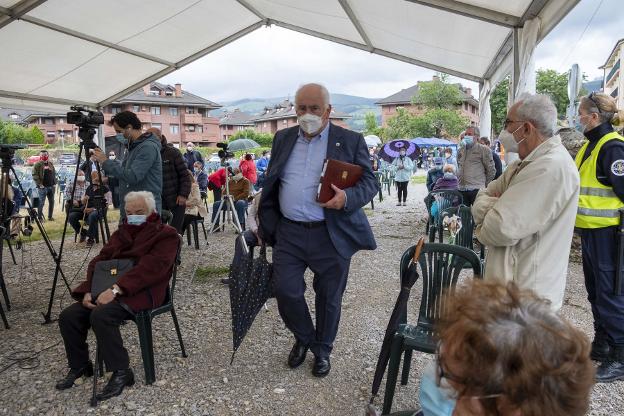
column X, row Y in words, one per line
column 509, row 142
column 310, row 123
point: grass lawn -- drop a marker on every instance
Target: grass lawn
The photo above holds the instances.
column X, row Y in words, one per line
column 419, row 179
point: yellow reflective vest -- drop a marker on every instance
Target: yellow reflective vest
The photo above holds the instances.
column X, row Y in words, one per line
column 598, row 204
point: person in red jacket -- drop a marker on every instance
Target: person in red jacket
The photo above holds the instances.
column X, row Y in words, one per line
column 248, row 168
column 216, row 181
column 153, row 246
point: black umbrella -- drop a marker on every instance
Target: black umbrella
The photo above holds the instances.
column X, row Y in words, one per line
column 411, row 275
column 250, row 288
column 390, row 150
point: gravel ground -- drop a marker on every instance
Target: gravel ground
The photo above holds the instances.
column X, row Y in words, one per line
column 258, row 382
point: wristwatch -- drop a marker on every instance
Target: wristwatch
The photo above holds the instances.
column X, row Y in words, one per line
column 116, row 291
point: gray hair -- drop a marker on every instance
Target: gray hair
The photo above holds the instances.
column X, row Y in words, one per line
column 540, row 111
column 324, row 91
column 146, row 196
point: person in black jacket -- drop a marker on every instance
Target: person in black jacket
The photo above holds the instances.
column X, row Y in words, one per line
column 191, row 156
column 176, row 183
column 498, row 165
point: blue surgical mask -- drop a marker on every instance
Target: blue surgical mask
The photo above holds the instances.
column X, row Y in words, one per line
column 449, row 175
column 121, row 139
column 435, row 400
column 468, row 141
column 136, row 219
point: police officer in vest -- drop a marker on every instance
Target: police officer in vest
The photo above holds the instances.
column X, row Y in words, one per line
column 601, row 167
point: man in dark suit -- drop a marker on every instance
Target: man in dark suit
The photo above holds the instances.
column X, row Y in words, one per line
column 306, row 234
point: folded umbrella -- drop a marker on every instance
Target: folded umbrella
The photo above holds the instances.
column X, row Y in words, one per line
column 411, row 275
column 250, row 288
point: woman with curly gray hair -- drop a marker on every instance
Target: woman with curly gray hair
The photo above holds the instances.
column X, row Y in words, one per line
column 503, row 351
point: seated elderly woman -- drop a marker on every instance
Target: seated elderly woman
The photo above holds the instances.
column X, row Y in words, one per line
column 447, row 182
column 153, row 247
column 503, row 351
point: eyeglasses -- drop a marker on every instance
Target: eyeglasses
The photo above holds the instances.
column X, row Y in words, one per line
column 591, row 98
column 441, row 373
column 508, row 122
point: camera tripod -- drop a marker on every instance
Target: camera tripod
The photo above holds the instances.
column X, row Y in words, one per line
column 6, row 156
column 226, row 207
column 86, row 134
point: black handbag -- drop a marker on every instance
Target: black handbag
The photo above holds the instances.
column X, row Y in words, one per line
column 107, row 272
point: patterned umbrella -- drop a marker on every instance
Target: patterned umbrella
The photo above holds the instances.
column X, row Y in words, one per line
column 250, row 288
column 390, row 150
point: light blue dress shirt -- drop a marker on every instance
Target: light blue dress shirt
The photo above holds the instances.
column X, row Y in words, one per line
column 300, row 178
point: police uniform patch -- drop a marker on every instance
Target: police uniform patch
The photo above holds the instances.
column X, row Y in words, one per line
column 617, row 167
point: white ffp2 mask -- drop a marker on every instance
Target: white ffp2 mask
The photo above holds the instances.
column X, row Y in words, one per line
column 310, row 123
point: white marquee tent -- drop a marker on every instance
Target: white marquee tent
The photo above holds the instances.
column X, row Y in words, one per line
column 61, row 52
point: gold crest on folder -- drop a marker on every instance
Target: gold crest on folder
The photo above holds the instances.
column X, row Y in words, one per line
column 344, row 175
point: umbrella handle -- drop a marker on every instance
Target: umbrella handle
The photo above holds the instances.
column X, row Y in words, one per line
column 419, row 246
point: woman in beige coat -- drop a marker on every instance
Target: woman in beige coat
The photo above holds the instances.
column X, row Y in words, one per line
column 195, row 208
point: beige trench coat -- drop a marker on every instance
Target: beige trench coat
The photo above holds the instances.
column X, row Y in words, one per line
column 528, row 228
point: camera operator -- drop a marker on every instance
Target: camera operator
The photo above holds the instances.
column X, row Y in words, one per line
column 44, row 176
column 240, row 190
column 141, row 169
column 216, row 181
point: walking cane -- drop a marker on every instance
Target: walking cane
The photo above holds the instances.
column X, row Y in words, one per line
column 617, row 284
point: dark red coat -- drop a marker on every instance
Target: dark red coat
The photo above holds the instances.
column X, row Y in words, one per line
column 153, row 245
column 217, row 178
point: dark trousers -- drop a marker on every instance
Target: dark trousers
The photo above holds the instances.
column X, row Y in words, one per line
column 469, row 196
column 187, row 220
column 216, row 194
column 115, row 194
column 178, row 218
column 298, row 248
column 240, row 206
column 91, row 219
column 46, row 192
column 74, row 323
column 599, row 263
column 402, row 190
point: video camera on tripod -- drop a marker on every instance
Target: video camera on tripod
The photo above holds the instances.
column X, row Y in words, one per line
column 87, row 121
column 224, row 153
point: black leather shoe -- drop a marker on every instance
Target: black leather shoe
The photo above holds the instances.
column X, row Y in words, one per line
column 225, row 281
column 321, row 366
column 600, row 350
column 297, row 354
column 73, row 375
column 119, row 379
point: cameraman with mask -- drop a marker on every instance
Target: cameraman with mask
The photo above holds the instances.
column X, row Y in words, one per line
column 141, row 169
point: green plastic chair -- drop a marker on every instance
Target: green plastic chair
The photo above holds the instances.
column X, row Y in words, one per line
column 143, row 321
column 446, row 199
column 439, row 266
column 465, row 237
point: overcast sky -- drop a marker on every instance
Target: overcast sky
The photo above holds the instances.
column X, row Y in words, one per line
column 273, row 62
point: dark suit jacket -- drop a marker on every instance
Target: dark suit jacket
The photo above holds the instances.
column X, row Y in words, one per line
column 348, row 228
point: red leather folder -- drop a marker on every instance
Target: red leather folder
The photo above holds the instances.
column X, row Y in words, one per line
column 342, row 174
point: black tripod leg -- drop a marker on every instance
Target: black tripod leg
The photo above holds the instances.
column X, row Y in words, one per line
column 12, row 253
column 5, row 294
column 4, row 318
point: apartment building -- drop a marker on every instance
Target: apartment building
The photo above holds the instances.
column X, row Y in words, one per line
column 469, row 106
column 283, row 115
column 613, row 80
column 234, row 121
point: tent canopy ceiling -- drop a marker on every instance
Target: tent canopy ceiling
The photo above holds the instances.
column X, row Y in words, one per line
column 91, row 52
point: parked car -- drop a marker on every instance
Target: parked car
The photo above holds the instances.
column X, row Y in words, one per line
column 67, row 159
column 33, row 159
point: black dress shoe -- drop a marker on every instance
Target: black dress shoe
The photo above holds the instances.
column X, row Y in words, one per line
column 321, row 366
column 610, row 371
column 600, row 350
column 226, row 281
column 119, row 379
column 297, row 354
column 73, row 375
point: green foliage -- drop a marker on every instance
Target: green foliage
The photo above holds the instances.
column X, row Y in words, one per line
column 439, row 98
column 498, row 105
column 11, row 133
column 263, row 139
column 437, row 94
column 371, row 127
column 552, row 83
